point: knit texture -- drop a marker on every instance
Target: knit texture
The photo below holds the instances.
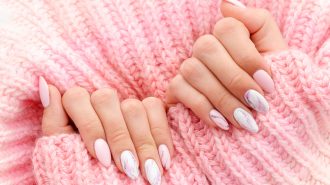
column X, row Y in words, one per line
column 136, row 47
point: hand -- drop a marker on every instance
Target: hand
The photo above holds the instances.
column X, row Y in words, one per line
column 130, row 129
column 226, row 73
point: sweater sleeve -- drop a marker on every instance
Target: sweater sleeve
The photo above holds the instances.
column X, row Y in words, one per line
column 63, row 159
column 292, row 145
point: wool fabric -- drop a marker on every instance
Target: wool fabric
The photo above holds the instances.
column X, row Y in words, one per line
column 136, row 47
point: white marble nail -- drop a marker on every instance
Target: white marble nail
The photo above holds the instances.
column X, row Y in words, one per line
column 218, row 119
column 152, row 172
column 256, row 101
column 236, row 3
column 129, row 164
column 246, row 120
column 165, row 156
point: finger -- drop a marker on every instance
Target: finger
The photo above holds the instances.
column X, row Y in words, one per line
column 76, row 102
column 137, row 123
column 215, row 57
column 159, row 129
column 107, row 106
column 200, row 78
column 264, row 31
column 181, row 91
column 54, row 119
column 235, row 38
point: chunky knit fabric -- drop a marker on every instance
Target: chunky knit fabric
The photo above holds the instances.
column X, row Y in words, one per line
column 136, row 47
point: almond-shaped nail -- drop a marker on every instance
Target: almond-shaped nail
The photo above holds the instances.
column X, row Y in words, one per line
column 102, row 152
column 165, row 156
column 256, row 101
column 152, row 172
column 218, row 119
column 43, row 92
column 245, row 120
column 129, row 164
column 264, row 80
column 236, row 3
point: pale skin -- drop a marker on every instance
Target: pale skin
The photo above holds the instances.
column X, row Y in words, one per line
column 215, row 78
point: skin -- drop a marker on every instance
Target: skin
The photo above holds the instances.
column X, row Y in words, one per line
column 215, row 77
column 128, row 125
column 222, row 64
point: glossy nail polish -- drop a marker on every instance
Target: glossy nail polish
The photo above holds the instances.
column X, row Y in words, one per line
column 129, row 164
column 256, row 101
column 245, row 120
column 152, row 172
column 236, row 3
column 102, row 152
column 165, row 156
column 218, row 119
column 264, row 80
column 43, row 92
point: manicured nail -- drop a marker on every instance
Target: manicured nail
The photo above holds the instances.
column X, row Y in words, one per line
column 236, row 3
column 102, row 152
column 152, row 172
column 218, row 119
column 264, row 80
column 43, row 92
column 246, row 120
column 165, row 156
column 256, row 101
column 129, row 164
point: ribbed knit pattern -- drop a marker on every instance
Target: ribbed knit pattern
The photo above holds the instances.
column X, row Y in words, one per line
column 136, row 47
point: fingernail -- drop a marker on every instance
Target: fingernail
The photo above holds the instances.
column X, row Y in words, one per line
column 102, row 152
column 256, row 101
column 152, row 172
column 129, row 164
column 43, row 92
column 165, row 156
column 236, row 3
column 264, row 80
column 218, row 119
column 246, row 120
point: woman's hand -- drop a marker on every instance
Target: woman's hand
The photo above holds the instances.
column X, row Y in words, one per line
column 226, row 73
column 136, row 132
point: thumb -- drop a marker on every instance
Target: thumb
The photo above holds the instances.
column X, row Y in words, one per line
column 54, row 120
column 263, row 29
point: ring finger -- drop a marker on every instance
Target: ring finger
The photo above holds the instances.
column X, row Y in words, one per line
column 106, row 104
column 198, row 76
column 137, row 123
column 215, row 57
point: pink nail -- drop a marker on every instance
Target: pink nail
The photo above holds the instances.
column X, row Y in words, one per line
column 236, row 3
column 219, row 120
column 102, row 152
column 43, row 92
column 264, row 80
column 164, row 155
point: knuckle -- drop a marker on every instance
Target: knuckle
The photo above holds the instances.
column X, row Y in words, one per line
column 102, row 95
column 204, row 44
column 189, row 68
column 227, row 25
column 90, row 124
column 199, row 101
column 118, row 136
column 159, row 132
column 131, row 106
column 152, row 101
column 235, row 81
column 144, row 145
column 222, row 100
column 265, row 14
column 75, row 93
column 175, row 84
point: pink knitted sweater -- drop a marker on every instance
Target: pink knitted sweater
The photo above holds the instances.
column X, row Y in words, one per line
column 136, row 47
